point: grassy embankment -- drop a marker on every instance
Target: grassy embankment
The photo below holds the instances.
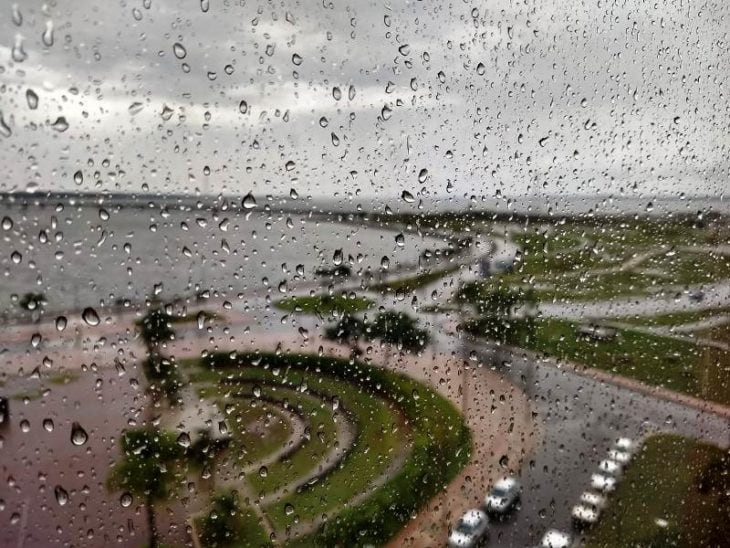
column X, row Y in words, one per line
column 674, row 494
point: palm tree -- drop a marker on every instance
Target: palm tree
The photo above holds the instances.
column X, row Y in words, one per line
column 161, row 371
column 147, row 470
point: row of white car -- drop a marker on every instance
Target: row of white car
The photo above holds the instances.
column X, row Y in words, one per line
column 473, row 527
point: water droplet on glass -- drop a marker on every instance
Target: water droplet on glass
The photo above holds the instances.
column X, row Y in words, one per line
column 78, row 177
column 31, row 98
column 336, row 93
column 256, row 390
column 288, row 509
column 504, row 461
column 24, row 426
column 243, row 107
column 7, row 223
column 385, row 263
column 135, row 108
column 179, row 50
column 296, row 59
column 407, row 197
column 351, row 93
column 386, row 112
column 441, row 76
column 323, row 122
column 263, row 471
column 204, row 5
column 16, row 257
column 90, row 316
column 5, row 130
column 337, row 257
column 481, row 69
column 136, row 14
column 183, row 440
column 18, row 53
column 422, row 175
column 400, row 240
column 61, row 323
column 78, row 434
column 61, row 495
column 17, row 16
column 60, row 124
column 248, row 202
column 125, row 500
column 47, row 36
column 48, row 425
column 35, row 340
column 404, row 50
column 290, row 165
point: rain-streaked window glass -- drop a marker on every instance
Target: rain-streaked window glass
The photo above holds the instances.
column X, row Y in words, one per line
column 356, row 273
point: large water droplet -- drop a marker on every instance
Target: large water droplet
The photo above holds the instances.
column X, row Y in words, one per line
column 166, row 113
column 204, row 5
column 481, row 69
column 5, row 130
column 61, row 495
column 296, row 59
column 337, row 257
column 7, row 223
column 48, row 425
column 336, row 93
column 288, row 509
column 179, row 50
column 422, row 175
column 32, row 99
column 78, row 434
column 61, row 323
column 400, row 240
column 183, row 440
column 60, row 124
column 125, row 500
column 243, row 107
column 18, row 53
column 48, row 34
column 263, row 471
column 290, row 165
column 385, row 263
column 407, row 197
column 17, row 16
column 248, row 202
column 386, row 112
column 90, row 316
column 404, row 50
column 135, row 108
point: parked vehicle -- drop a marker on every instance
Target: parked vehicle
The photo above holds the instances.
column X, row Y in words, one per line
column 470, row 530
column 588, row 510
column 611, row 468
column 603, row 483
column 622, row 457
column 503, row 497
column 627, row 445
column 556, row 539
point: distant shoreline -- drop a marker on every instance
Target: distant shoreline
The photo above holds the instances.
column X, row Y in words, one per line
column 548, row 208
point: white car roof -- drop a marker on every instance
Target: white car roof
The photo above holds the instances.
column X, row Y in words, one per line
column 609, row 465
column 592, row 498
column 587, row 513
column 472, row 517
column 555, row 539
column 506, row 483
column 624, row 443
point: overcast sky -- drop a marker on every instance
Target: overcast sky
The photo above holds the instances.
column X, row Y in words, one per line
column 368, row 98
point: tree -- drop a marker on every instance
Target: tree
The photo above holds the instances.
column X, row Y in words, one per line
column 506, row 315
column 161, row 371
column 204, row 452
column 147, row 469
column 400, row 329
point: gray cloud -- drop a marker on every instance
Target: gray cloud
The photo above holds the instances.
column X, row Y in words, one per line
column 570, row 97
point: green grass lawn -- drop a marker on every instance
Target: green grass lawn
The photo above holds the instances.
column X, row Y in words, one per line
column 256, row 431
column 380, row 402
column 675, row 479
column 325, row 305
column 691, row 268
column 415, row 282
column 230, row 523
column 660, row 361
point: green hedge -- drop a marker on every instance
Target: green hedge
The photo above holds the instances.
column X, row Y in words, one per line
column 441, row 446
